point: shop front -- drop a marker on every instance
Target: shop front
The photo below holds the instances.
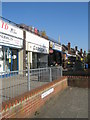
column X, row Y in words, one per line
column 9, row 59
column 37, row 50
column 11, row 42
column 55, row 56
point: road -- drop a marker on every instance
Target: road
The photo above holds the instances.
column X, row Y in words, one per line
column 71, row 103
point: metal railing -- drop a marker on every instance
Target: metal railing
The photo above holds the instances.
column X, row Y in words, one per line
column 15, row 83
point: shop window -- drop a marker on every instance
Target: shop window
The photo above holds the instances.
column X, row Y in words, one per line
column 39, row 60
column 10, row 59
column 42, row 60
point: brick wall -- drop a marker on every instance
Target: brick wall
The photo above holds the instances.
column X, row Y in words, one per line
column 77, row 73
column 26, row 104
column 79, row 81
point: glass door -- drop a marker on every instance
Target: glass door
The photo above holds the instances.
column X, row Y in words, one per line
column 6, row 59
column 1, row 59
column 14, row 59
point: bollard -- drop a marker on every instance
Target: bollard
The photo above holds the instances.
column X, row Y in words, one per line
column 39, row 75
column 50, row 75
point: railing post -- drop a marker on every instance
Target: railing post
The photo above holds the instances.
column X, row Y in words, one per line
column 28, row 79
column 61, row 70
column 50, row 75
column 39, row 75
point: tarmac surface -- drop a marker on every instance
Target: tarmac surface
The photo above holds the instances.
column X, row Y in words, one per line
column 70, row 103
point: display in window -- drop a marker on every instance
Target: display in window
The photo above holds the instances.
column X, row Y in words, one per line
column 1, row 66
column 1, row 52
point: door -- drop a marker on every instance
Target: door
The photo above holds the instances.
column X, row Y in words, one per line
column 14, row 59
column 6, row 58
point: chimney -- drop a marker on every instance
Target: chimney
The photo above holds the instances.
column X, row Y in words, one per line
column 69, row 47
column 76, row 48
column 84, row 53
column 81, row 51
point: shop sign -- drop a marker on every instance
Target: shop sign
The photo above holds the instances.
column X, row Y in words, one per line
column 39, row 48
column 57, row 47
column 35, row 39
column 81, row 59
column 36, row 43
column 35, row 30
column 47, row 93
column 9, row 29
column 36, row 48
column 50, row 51
column 10, row 41
column 71, row 55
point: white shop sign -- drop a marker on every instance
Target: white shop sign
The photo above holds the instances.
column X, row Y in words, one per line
column 10, row 29
column 10, row 41
column 35, row 39
column 57, row 47
column 36, row 48
column 71, row 55
column 47, row 92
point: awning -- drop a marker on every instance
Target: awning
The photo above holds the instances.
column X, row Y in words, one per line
column 57, row 50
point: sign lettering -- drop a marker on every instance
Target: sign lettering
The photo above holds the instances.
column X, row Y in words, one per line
column 10, row 29
column 37, row 48
column 10, row 41
column 4, row 25
column 47, row 93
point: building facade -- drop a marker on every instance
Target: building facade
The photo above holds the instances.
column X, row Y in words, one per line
column 37, row 50
column 21, row 46
column 11, row 44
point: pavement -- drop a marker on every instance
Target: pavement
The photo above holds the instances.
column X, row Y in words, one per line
column 70, row 103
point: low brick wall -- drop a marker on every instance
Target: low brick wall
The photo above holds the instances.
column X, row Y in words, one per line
column 26, row 104
column 79, row 81
column 77, row 73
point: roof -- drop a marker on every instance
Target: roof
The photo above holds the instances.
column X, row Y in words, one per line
column 64, row 47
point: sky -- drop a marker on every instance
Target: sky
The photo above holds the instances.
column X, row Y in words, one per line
column 67, row 19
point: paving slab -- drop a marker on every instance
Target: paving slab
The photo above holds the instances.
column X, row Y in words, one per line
column 70, row 103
